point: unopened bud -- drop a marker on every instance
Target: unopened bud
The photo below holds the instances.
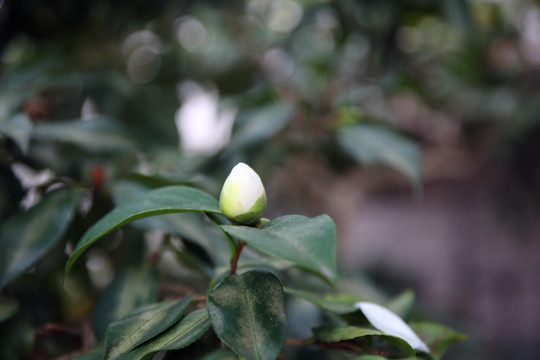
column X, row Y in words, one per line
column 243, row 198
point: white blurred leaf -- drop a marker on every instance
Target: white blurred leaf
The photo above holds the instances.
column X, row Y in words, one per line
column 388, row 322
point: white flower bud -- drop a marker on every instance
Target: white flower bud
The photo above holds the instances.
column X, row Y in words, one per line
column 243, row 198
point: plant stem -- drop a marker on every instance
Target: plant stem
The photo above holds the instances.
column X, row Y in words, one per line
column 234, row 261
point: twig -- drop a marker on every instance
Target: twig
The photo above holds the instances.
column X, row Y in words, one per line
column 234, row 261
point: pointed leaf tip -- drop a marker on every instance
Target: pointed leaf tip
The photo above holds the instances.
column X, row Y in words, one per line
column 388, row 322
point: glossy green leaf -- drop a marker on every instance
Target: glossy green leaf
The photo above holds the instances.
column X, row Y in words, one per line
column 8, row 308
column 370, row 357
column 437, row 337
column 336, row 334
column 143, row 324
column 130, row 289
column 27, row 237
column 248, row 315
column 98, row 134
column 373, row 144
column 335, row 303
column 170, row 199
column 310, row 243
column 190, row 226
column 184, row 333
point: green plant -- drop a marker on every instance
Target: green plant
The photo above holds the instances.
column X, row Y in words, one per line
column 247, row 311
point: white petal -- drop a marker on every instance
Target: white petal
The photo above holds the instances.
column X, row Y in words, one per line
column 250, row 183
column 388, row 322
column 203, row 129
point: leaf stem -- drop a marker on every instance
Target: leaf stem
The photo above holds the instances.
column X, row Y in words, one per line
column 234, row 261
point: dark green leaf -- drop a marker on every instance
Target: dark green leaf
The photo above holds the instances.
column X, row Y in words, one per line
column 336, row 334
column 190, row 226
column 248, row 315
column 8, row 308
column 184, row 333
column 98, row 134
column 130, row 289
column 437, row 337
column 335, row 303
column 171, row 199
column 25, row 238
column 370, row 357
column 310, row 243
column 143, row 324
column 372, row 144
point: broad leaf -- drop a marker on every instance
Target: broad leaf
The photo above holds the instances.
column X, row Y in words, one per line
column 372, row 144
column 183, row 334
column 337, row 334
column 8, row 308
column 335, row 303
column 143, row 324
column 248, row 315
column 98, row 134
column 171, row 199
column 437, row 337
column 190, row 226
column 370, row 357
column 310, row 243
column 27, row 237
column 18, row 128
column 130, row 289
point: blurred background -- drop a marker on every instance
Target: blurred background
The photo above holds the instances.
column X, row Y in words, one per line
column 414, row 124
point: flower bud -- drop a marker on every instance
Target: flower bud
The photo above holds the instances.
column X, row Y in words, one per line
column 243, row 198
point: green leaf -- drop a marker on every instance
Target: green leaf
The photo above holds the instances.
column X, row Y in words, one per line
column 18, row 128
column 171, row 199
column 8, row 308
column 310, row 243
column 373, row 144
column 336, row 334
column 370, row 357
column 130, row 289
column 98, row 134
column 190, row 226
column 402, row 304
column 437, row 337
column 143, row 324
column 335, row 303
column 248, row 315
column 183, row 334
column 26, row 237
